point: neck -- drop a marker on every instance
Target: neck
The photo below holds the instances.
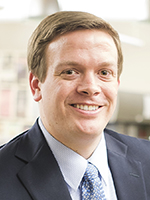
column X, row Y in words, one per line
column 84, row 147
column 82, row 143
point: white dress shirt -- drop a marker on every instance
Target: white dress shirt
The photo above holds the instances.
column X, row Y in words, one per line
column 73, row 166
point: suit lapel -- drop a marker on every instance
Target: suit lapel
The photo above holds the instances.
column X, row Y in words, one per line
column 41, row 174
column 43, row 179
column 127, row 173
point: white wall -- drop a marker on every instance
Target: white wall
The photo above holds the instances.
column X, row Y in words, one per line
column 15, row 35
column 136, row 72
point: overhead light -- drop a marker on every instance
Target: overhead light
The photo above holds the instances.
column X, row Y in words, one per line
column 131, row 40
column 108, row 9
column 42, row 8
column 16, row 9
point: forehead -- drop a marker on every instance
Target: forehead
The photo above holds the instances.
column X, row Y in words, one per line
column 89, row 42
column 74, row 37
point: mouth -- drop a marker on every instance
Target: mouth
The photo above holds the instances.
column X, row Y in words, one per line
column 86, row 107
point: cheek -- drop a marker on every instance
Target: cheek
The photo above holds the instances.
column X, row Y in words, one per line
column 60, row 92
column 110, row 92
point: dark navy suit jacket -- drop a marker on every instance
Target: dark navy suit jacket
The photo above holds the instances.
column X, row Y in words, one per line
column 29, row 171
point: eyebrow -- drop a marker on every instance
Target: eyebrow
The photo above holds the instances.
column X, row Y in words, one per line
column 74, row 63
column 64, row 63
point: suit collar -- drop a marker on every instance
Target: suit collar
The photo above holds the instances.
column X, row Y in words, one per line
column 41, row 174
column 114, row 145
column 126, row 172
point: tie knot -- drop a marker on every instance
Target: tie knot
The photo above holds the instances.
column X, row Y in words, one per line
column 91, row 172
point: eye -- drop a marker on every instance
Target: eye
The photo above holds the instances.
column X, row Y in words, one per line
column 104, row 72
column 69, row 74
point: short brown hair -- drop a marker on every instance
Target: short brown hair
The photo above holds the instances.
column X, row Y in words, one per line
column 58, row 24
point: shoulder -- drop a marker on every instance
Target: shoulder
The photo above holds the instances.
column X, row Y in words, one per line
column 12, row 143
column 7, row 152
column 135, row 147
column 125, row 138
column 25, row 139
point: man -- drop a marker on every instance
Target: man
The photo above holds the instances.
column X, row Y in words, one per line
column 75, row 61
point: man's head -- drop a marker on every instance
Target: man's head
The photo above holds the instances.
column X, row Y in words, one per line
column 58, row 24
column 75, row 61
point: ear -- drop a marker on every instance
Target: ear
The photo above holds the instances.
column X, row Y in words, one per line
column 118, row 82
column 35, row 87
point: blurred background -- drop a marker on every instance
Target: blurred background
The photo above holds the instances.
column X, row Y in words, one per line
column 18, row 19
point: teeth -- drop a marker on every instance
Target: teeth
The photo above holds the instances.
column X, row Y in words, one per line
column 86, row 107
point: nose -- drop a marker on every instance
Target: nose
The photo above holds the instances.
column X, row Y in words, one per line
column 89, row 86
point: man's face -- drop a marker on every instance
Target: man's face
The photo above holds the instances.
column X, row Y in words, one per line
column 78, row 96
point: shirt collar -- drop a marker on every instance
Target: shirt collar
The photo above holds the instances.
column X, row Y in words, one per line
column 71, row 164
column 99, row 159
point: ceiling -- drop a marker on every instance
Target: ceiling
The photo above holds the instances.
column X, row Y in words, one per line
column 121, row 10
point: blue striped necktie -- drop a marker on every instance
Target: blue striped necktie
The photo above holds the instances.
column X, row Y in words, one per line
column 91, row 184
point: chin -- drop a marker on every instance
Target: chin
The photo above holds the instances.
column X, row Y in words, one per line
column 90, row 129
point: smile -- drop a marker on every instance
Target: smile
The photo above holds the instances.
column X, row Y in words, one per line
column 86, row 107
